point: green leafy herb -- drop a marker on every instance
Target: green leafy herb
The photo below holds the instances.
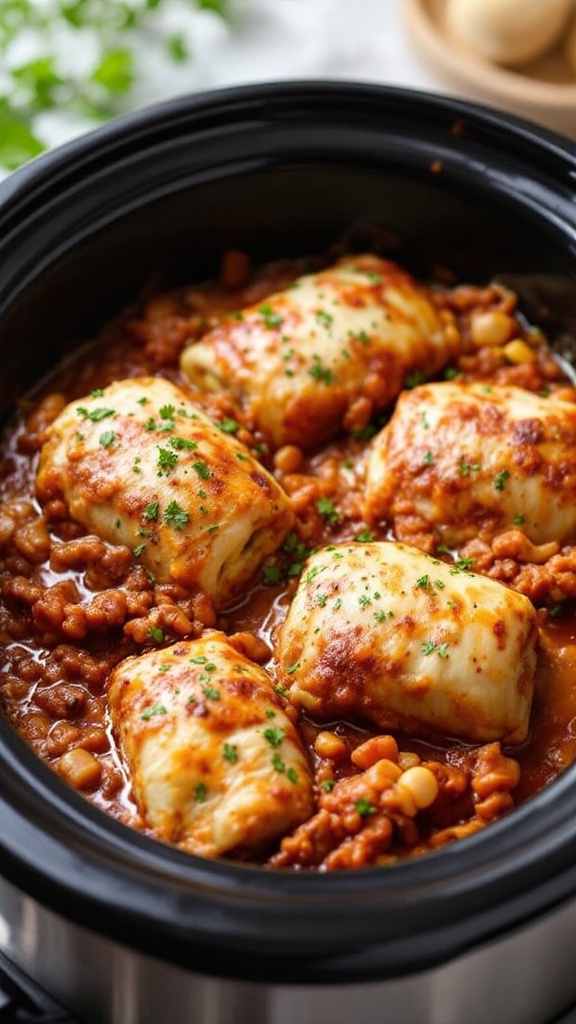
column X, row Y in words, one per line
column 500, row 479
column 101, row 86
column 271, row 317
column 200, row 792
column 151, row 511
column 107, row 438
column 151, row 712
column 166, row 460
column 175, row 515
column 230, row 753
column 156, row 634
column 94, row 415
column 327, row 510
column 202, row 470
column 319, row 372
column 273, row 736
column 364, row 807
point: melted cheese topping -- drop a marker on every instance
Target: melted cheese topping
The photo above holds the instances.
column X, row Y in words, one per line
column 385, row 632
column 472, row 459
column 140, row 464
column 215, row 762
column 301, row 359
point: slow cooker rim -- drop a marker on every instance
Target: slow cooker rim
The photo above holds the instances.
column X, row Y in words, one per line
column 49, row 801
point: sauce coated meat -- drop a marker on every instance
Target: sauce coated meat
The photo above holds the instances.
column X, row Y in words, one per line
column 288, row 564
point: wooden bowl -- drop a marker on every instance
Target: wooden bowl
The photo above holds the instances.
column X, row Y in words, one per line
column 543, row 90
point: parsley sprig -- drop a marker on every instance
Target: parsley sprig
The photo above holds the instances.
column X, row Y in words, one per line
column 40, row 78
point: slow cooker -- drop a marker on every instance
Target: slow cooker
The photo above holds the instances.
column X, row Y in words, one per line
column 105, row 926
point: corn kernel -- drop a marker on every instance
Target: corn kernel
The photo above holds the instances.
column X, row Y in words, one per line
column 517, row 352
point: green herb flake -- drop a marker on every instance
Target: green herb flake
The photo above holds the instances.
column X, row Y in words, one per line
column 328, row 785
column 291, row 669
column 107, row 438
column 364, row 537
column 413, row 380
column 201, row 469
column 319, row 372
column 166, row 461
column 181, row 443
column 273, row 735
column 200, row 792
column 519, row 519
column 156, row 634
column 211, row 693
column 500, row 479
column 94, row 415
column 326, row 508
column 151, row 511
column 364, row 807
column 174, row 515
column 229, row 426
column 271, row 317
column 270, row 575
column 325, row 319
column 151, row 712
column 230, row 752
column 428, row 458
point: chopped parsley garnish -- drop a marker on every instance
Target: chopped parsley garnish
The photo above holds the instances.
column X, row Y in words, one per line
column 201, row 469
column 211, row 693
column 500, row 479
column 182, row 442
column 468, row 467
column 319, row 372
column 328, row 785
column 97, row 393
column 364, row 433
column 229, row 426
column 230, row 753
column 94, row 415
column 156, row 634
column 151, row 511
column 166, row 460
column 364, row 807
column 273, row 735
column 324, row 318
column 326, row 508
column 138, row 550
column 167, row 412
column 412, row 380
column 156, row 709
column 107, row 438
column 271, row 317
column 290, row 669
column 519, row 519
column 200, row 792
column 175, row 515
column 270, row 574
column 428, row 458
column 364, row 537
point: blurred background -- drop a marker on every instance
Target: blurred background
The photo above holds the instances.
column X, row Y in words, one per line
column 68, row 65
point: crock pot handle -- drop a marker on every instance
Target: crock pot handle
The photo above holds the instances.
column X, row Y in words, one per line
column 22, row 1001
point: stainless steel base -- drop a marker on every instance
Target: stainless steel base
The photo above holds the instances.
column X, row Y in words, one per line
column 526, row 978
